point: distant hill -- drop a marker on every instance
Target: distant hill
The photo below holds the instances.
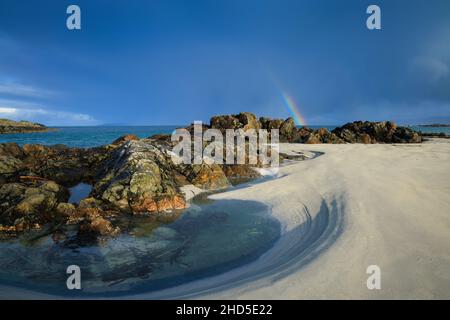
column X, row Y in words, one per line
column 11, row 126
column 435, row 125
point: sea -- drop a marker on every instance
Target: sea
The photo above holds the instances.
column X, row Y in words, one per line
column 86, row 137
column 152, row 253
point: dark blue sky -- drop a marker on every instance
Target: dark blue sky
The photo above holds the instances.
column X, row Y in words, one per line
column 173, row 62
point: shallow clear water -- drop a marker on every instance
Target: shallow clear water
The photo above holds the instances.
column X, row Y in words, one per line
column 84, row 137
column 207, row 239
column 79, row 192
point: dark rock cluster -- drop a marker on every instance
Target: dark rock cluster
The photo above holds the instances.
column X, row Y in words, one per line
column 355, row 132
column 135, row 176
column 376, row 132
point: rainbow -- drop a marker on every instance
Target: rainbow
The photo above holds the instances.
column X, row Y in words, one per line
column 293, row 109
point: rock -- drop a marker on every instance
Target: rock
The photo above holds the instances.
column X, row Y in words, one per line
column 11, row 126
column 64, row 165
column 224, row 122
column 434, row 135
column 239, row 173
column 248, row 121
column 65, row 209
column 325, row 136
column 204, row 176
column 90, row 202
column 376, row 132
column 9, row 167
column 268, row 124
column 406, row 135
column 243, row 120
column 25, row 205
column 301, row 135
column 92, row 222
column 97, row 225
column 138, row 177
column 11, row 149
column 311, row 136
column 125, row 138
column 287, row 130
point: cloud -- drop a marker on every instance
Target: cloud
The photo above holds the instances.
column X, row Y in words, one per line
column 20, row 90
column 44, row 115
column 434, row 69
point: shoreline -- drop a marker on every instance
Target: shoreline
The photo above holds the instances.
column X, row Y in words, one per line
column 413, row 258
column 29, row 131
column 369, row 191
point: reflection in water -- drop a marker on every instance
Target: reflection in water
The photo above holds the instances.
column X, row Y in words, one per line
column 207, row 239
column 79, row 192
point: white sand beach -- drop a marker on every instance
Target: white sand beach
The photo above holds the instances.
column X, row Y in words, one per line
column 353, row 206
column 387, row 205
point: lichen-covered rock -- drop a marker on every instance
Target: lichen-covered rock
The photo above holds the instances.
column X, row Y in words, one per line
column 206, row 176
column 268, row 123
column 11, row 149
column 65, row 209
column 139, row 177
column 243, row 120
column 238, row 173
column 93, row 221
column 29, row 205
column 125, row 138
column 10, row 167
column 90, row 202
column 64, row 165
column 287, row 130
column 311, row 136
column 301, row 135
column 248, row 121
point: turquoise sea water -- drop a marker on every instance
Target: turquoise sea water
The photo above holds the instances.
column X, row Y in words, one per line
column 84, row 137
column 445, row 130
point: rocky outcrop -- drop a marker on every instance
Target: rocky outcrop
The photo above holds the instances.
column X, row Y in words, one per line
column 10, row 126
column 93, row 222
column 355, row 132
column 64, row 165
column 311, row 136
column 435, row 135
column 406, row 135
column 138, row 177
column 376, row 132
column 125, row 138
column 28, row 205
column 205, row 176
column 243, row 120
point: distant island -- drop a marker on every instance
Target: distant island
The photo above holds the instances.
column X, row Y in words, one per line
column 11, row 126
column 434, row 125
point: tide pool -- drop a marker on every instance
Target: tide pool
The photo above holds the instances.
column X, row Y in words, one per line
column 149, row 255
